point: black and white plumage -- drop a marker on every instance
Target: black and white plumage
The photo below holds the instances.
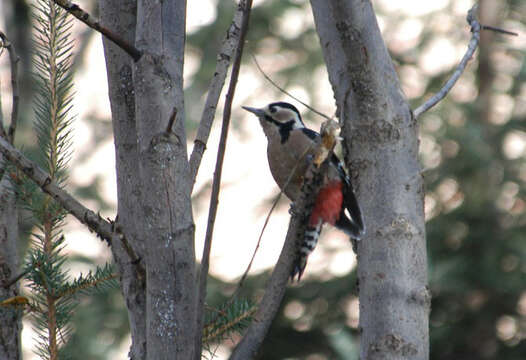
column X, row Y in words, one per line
column 290, row 147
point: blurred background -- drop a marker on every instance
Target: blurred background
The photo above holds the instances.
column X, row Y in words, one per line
column 472, row 148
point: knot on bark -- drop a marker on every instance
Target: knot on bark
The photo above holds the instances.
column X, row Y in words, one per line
column 422, row 296
column 164, row 147
column 391, row 343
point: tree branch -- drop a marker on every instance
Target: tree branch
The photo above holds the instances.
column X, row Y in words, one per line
column 472, row 46
column 244, row 6
column 275, row 289
column 230, row 44
column 103, row 228
column 93, row 23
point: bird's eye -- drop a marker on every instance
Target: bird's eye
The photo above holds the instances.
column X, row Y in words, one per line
column 273, row 109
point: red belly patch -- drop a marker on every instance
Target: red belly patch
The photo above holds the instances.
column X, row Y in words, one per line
column 328, row 204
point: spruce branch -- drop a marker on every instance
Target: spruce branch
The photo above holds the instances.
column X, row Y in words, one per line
column 234, row 318
column 93, row 23
column 83, row 283
column 476, row 27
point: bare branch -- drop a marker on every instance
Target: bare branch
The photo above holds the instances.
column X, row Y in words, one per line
column 103, row 228
column 246, row 6
column 275, row 289
column 93, row 23
column 106, row 230
column 230, row 43
column 472, row 46
column 286, row 92
column 13, row 59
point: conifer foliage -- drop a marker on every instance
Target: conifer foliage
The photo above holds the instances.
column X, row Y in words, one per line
column 53, row 294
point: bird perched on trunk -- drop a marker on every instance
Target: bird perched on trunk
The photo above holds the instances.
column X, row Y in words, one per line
column 290, row 150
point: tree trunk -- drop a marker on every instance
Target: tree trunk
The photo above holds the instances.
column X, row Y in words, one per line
column 9, row 316
column 121, row 17
column 153, row 176
column 166, row 209
column 381, row 148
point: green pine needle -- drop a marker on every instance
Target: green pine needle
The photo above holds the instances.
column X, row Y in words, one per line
column 52, row 292
column 233, row 319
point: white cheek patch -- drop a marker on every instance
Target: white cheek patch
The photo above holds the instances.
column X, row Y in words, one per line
column 284, row 115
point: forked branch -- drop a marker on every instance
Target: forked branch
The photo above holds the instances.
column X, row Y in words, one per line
column 476, row 27
column 106, row 230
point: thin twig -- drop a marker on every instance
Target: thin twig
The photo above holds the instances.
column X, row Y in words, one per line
column 224, row 57
column 499, row 30
column 93, row 23
column 13, row 59
column 472, row 46
column 285, row 91
column 246, row 5
column 274, row 204
column 245, row 274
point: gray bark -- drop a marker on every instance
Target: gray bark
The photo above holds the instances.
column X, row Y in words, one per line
column 166, row 212
column 9, row 316
column 381, row 149
column 120, row 16
column 153, row 176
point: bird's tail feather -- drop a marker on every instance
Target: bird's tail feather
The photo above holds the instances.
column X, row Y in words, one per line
column 312, row 233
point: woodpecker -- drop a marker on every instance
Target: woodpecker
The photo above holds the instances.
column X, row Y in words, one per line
column 290, row 149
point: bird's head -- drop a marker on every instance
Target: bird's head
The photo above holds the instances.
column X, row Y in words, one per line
column 277, row 116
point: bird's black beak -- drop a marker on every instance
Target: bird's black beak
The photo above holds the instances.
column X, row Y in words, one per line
column 255, row 111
